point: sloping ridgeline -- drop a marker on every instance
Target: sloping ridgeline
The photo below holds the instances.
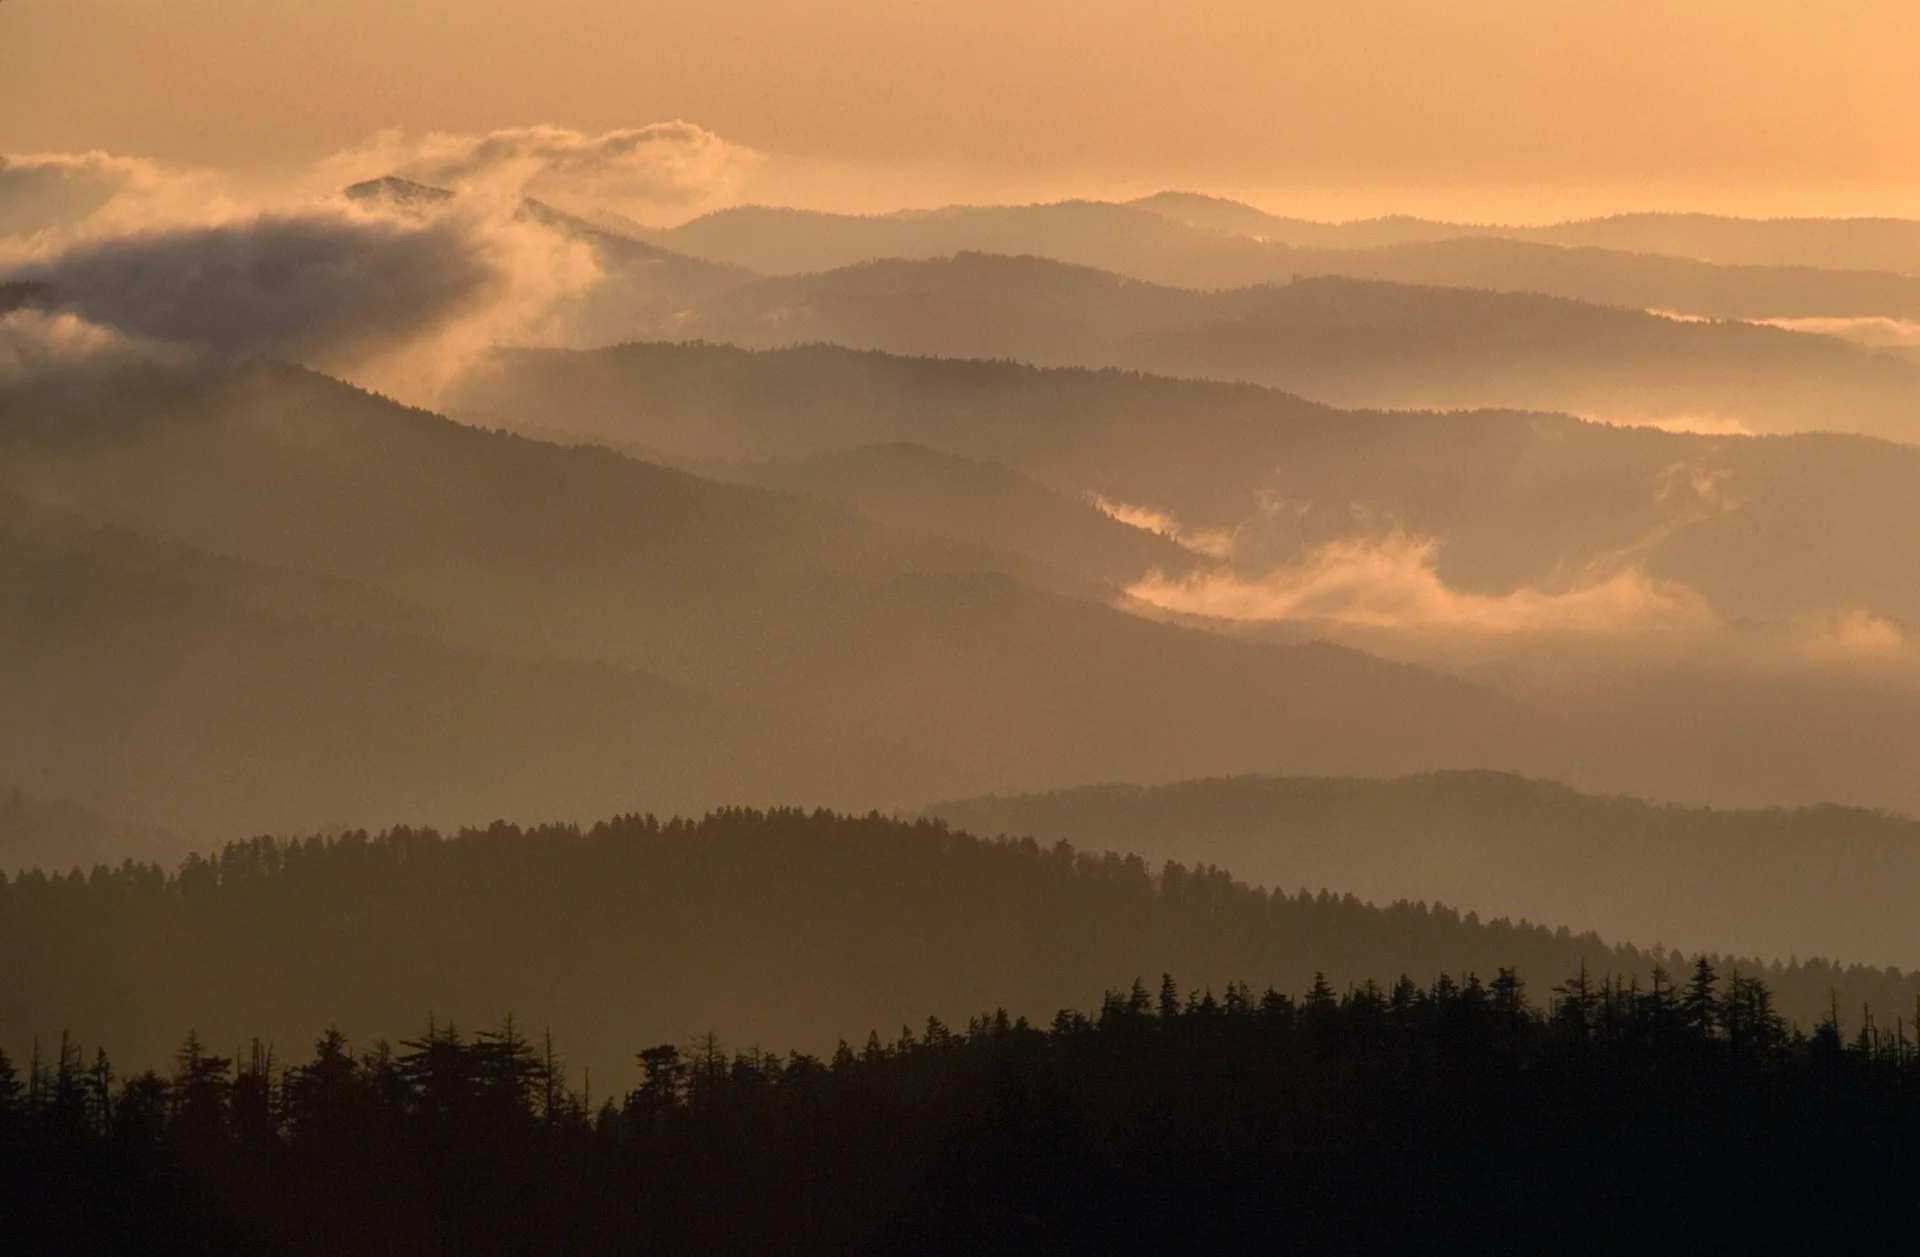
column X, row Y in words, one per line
column 782, row 929
column 1829, row 881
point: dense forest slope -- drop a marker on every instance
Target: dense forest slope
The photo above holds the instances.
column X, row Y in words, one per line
column 771, row 929
column 1392, row 1118
column 1822, row 880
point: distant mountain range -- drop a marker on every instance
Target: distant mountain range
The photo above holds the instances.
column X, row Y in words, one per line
column 1766, row 528
column 268, row 600
column 1789, row 677
column 1393, row 313
column 1349, row 342
column 1862, row 244
column 1715, row 268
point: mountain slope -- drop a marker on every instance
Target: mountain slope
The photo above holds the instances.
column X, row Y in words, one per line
column 786, row 928
column 1346, row 342
column 1202, row 243
column 1773, row 527
column 1829, row 879
column 917, row 665
column 919, row 490
column 191, row 690
column 1885, row 245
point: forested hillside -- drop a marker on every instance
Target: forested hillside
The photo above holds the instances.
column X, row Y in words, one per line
column 1825, row 880
column 767, row 929
column 1682, row 1114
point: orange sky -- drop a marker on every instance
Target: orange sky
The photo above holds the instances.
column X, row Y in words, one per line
column 1507, row 108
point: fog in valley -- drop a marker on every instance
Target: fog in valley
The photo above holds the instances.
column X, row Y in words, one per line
column 788, row 575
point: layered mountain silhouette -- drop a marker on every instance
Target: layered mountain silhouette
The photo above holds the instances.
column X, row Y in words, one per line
column 556, row 626
column 1762, row 528
column 921, row 490
column 1717, row 619
column 1344, row 341
column 1716, row 268
column 1889, row 245
column 789, row 927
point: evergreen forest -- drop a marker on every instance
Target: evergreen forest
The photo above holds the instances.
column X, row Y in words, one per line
column 1659, row 1112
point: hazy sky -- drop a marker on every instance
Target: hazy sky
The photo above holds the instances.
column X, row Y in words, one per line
column 1527, row 106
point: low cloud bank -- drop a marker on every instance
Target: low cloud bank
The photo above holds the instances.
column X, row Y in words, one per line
column 401, row 303
column 1392, row 583
column 399, row 297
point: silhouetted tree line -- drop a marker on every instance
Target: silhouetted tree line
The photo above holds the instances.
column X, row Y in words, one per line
column 1664, row 1113
column 769, row 927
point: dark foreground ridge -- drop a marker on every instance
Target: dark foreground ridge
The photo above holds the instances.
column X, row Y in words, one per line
column 781, row 928
column 1638, row 1117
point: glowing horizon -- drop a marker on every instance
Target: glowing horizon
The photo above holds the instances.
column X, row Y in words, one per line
column 1483, row 110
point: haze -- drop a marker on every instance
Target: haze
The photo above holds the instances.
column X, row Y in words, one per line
column 1258, row 541
column 1495, row 110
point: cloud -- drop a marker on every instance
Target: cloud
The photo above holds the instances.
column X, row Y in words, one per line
column 394, row 295
column 322, row 285
column 671, row 168
column 1216, row 544
column 36, row 344
column 1875, row 330
column 1854, row 634
column 1686, row 425
column 44, row 192
column 48, row 198
column 399, row 301
column 1392, row 583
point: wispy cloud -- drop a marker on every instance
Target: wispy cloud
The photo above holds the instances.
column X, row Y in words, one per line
column 672, row 168
column 35, row 344
column 1688, row 425
column 1214, row 543
column 1392, row 582
column 1875, row 330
